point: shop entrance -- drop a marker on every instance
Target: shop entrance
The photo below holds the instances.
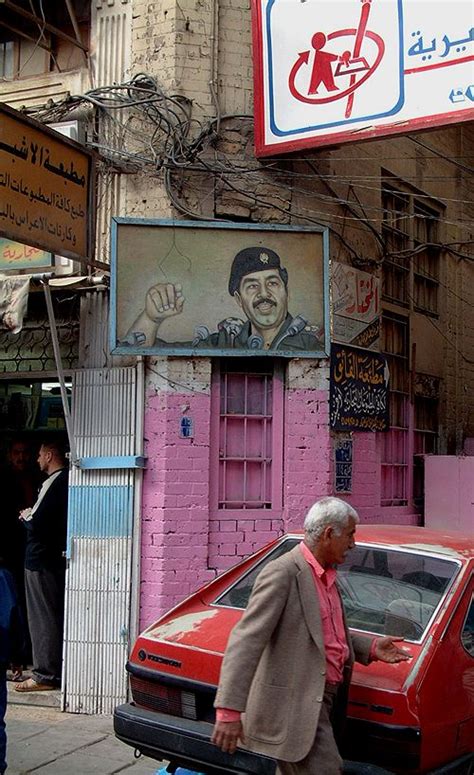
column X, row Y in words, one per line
column 103, row 527
column 31, row 414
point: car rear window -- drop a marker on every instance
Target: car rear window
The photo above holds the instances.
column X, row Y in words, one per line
column 238, row 595
column 385, row 591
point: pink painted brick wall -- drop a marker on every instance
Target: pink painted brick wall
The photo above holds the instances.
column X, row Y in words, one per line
column 366, row 485
column 307, row 456
column 175, row 505
column 306, row 477
column 184, row 544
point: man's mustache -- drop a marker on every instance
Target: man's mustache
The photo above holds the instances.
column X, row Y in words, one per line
column 263, row 301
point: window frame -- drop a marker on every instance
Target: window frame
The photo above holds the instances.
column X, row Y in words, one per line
column 414, row 280
column 407, row 429
column 277, row 443
column 30, row 35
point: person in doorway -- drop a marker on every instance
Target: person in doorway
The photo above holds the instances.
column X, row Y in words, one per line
column 289, row 659
column 20, row 484
column 11, row 647
column 45, row 525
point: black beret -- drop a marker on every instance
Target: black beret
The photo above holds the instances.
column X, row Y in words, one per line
column 254, row 260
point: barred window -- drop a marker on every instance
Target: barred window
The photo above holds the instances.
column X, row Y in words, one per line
column 395, row 451
column 410, row 230
column 248, row 435
column 426, row 419
column 395, row 231
column 426, row 259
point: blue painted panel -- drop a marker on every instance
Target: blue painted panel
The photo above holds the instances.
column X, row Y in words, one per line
column 100, row 511
column 114, row 461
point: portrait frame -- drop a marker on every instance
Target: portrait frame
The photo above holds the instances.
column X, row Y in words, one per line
column 198, row 258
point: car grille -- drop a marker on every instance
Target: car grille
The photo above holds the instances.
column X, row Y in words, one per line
column 163, row 699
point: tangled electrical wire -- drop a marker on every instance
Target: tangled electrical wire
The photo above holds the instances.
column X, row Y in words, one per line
column 135, row 127
column 147, row 127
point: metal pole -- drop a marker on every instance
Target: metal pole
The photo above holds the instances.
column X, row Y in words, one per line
column 59, row 367
column 137, row 520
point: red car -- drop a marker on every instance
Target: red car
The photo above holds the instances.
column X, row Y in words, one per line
column 413, row 717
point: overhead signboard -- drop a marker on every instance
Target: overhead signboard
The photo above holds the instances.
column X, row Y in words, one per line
column 212, row 289
column 46, row 188
column 332, row 72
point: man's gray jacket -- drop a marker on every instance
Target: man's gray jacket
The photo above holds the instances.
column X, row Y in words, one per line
column 274, row 669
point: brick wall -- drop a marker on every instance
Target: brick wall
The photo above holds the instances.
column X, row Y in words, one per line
column 175, row 513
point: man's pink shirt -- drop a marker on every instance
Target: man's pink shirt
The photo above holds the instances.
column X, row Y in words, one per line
column 334, row 634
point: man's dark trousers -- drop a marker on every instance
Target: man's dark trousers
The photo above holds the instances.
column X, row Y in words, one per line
column 3, row 710
column 45, row 603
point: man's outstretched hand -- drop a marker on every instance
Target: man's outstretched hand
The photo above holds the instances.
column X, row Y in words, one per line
column 386, row 650
column 227, row 734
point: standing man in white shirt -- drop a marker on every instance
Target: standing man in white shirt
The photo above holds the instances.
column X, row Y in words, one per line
column 46, row 524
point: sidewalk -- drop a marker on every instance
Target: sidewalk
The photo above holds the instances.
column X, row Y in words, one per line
column 45, row 741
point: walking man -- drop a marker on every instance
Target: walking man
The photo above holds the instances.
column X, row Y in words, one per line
column 289, row 660
column 45, row 524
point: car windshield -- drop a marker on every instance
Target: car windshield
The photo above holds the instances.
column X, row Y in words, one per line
column 385, row 590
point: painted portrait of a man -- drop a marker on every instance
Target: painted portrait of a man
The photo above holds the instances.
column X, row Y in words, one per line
column 255, row 292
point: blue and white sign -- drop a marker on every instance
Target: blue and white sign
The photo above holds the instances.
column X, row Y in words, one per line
column 329, row 72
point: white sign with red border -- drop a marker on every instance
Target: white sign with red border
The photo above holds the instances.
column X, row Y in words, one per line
column 332, row 71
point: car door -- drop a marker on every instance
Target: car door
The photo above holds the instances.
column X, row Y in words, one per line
column 446, row 697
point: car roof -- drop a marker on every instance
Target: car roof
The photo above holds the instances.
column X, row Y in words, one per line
column 456, row 545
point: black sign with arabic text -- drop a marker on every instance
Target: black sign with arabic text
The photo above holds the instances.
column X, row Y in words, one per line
column 358, row 398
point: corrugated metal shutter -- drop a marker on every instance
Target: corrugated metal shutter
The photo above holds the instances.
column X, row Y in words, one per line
column 100, row 529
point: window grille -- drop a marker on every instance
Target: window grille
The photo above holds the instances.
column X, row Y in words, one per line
column 249, row 435
column 395, row 231
column 410, row 230
column 6, row 60
column 426, row 260
column 395, row 451
column 425, row 441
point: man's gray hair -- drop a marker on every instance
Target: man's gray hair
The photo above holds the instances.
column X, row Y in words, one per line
column 328, row 511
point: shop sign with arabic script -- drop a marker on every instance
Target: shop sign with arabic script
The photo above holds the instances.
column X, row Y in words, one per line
column 46, row 187
column 358, row 398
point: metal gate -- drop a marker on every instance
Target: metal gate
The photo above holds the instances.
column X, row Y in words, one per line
column 106, row 412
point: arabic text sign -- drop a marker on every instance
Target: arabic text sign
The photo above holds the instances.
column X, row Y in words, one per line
column 351, row 70
column 14, row 255
column 343, row 450
column 358, row 399
column 45, row 187
column 356, row 306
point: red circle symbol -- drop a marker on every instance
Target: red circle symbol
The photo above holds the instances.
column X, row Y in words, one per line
column 355, row 82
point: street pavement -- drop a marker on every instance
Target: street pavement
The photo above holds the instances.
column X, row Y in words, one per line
column 45, row 741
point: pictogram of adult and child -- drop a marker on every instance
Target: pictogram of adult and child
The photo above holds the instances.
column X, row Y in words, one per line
column 319, row 75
